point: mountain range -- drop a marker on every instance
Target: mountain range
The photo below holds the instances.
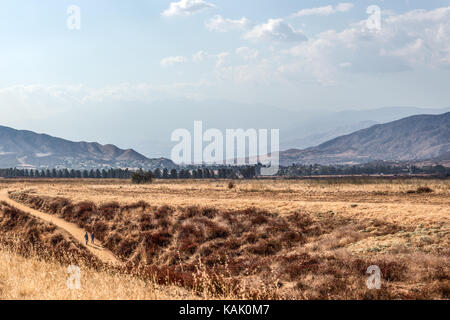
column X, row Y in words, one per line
column 413, row 138
column 22, row 148
column 149, row 126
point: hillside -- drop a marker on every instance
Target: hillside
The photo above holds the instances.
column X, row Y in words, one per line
column 312, row 131
column 414, row 138
column 22, row 148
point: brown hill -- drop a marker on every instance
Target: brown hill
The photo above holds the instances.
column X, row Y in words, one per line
column 413, row 138
column 22, row 148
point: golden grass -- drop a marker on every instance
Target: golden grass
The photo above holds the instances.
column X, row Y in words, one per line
column 383, row 199
column 32, row 278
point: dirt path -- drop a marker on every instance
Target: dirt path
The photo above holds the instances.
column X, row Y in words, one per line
column 102, row 253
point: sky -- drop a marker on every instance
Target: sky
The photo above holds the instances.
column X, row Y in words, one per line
column 293, row 56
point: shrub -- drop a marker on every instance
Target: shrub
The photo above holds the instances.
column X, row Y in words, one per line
column 266, row 247
column 216, row 231
column 141, row 177
column 108, row 210
column 163, row 212
column 259, row 219
column 126, row 247
column 100, row 229
column 420, row 190
column 160, row 238
column 140, row 204
column 300, row 220
column 424, row 190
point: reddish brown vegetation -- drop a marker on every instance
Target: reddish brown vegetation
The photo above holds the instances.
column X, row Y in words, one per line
column 30, row 236
column 296, row 256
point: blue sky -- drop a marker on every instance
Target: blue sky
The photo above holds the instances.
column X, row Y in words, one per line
column 301, row 56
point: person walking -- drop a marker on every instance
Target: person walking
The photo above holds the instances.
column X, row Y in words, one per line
column 92, row 237
column 86, row 237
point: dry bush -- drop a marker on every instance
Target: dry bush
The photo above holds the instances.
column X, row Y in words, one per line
column 420, row 190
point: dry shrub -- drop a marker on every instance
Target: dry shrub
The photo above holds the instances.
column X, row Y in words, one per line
column 137, row 205
column 300, row 220
column 215, row 231
column 420, row 190
column 266, row 247
column 292, row 238
column 190, row 212
column 163, row 212
column 56, row 205
column 146, row 222
column 126, row 247
column 109, row 210
column 100, row 230
column 424, row 190
column 259, row 219
column 157, row 239
column 83, row 211
column 209, row 212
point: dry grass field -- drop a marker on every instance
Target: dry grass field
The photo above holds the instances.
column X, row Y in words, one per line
column 29, row 278
column 281, row 239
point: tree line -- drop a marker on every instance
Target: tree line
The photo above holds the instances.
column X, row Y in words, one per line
column 296, row 170
column 247, row 172
column 66, row 173
column 227, row 172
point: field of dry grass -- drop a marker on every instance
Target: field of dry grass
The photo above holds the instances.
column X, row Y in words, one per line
column 33, row 278
column 295, row 239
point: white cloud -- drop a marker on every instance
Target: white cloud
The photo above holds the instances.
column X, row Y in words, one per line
column 218, row 23
column 325, row 10
column 32, row 101
column 171, row 61
column 200, row 56
column 40, row 101
column 415, row 39
column 275, row 29
column 186, row 7
column 344, row 7
column 247, row 53
column 220, row 58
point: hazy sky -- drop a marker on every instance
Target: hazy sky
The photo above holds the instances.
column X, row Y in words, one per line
column 296, row 55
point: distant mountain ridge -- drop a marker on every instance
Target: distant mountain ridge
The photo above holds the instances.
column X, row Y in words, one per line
column 23, row 148
column 413, row 138
column 313, row 131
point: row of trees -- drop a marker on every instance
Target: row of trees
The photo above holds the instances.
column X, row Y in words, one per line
column 368, row 168
column 187, row 173
column 247, row 172
column 66, row 173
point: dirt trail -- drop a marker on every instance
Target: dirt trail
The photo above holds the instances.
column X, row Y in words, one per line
column 102, row 253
